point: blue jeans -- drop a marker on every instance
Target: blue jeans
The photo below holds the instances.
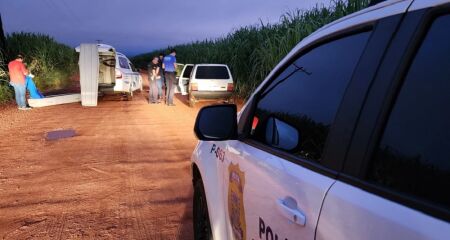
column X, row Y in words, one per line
column 19, row 90
column 159, row 84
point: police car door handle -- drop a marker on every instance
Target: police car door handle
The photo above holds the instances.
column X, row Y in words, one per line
column 290, row 211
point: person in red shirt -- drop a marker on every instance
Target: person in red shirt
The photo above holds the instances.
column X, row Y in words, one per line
column 17, row 73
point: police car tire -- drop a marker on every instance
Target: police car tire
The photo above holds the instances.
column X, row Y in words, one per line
column 202, row 226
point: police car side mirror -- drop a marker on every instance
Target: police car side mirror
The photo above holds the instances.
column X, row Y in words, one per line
column 217, row 123
column 281, row 135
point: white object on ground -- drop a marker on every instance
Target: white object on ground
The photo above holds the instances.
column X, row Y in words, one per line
column 54, row 100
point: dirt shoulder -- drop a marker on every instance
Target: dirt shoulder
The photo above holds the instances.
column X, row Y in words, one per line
column 125, row 175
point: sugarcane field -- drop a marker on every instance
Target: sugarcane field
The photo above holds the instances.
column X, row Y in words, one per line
column 225, row 120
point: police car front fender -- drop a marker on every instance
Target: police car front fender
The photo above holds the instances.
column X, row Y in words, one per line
column 212, row 181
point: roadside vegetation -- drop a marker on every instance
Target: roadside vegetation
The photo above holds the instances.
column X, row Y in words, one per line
column 252, row 51
column 5, row 90
column 52, row 63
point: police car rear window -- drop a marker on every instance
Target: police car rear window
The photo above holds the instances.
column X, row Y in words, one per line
column 212, row 72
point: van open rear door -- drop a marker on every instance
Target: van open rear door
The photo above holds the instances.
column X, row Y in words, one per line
column 89, row 71
column 183, row 81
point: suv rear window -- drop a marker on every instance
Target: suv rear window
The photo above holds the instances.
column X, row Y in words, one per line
column 212, row 72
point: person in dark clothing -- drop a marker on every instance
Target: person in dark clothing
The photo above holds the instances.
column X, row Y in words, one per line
column 170, row 67
column 160, row 82
column 153, row 76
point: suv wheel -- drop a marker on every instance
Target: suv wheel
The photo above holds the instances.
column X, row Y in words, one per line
column 202, row 226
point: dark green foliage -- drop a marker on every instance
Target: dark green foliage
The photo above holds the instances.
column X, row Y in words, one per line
column 52, row 63
column 5, row 89
column 253, row 51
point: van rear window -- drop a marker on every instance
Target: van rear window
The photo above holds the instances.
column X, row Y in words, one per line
column 212, row 72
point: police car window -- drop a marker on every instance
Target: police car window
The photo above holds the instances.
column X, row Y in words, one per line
column 413, row 155
column 123, row 63
column 306, row 96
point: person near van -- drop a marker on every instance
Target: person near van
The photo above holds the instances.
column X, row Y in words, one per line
column 170, row 66
column 17, row 73
column 160, row 82
column 153, row 76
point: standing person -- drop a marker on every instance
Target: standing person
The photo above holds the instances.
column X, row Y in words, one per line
column 153, row 76
column 160, row 82
column 17, row 73
column 170, row 66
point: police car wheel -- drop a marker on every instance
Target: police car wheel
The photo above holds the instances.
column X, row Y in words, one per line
column 202, row 226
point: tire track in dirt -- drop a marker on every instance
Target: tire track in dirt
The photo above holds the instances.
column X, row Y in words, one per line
column 125, row 175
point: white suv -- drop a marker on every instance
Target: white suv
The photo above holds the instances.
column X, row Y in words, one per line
column 347, row 137
column 210, row 81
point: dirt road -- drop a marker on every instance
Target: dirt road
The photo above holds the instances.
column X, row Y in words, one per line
column 125, row 175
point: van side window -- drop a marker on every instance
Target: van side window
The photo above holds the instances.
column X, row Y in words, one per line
column 296, row 110
column 413, row 155
column 187, row 71
column 123, row 63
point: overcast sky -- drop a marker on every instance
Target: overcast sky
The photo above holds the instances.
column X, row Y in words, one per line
column 138, row 26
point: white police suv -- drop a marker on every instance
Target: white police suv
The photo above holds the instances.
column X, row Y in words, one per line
column 347, row 138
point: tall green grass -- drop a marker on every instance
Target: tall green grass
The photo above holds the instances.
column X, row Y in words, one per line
column 253, row 51
column 5, row 90
column 52, row 63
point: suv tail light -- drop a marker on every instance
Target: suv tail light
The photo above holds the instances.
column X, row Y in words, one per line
column 118, row 74
column 230, row 87
column 194, row 87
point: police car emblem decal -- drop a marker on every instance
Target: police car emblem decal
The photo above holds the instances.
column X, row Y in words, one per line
column 236, row 201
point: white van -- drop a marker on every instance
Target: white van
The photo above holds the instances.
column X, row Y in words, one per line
column 115, row 71
column 127, row 77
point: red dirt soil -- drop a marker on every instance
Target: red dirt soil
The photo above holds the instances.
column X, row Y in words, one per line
column 125, row 175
